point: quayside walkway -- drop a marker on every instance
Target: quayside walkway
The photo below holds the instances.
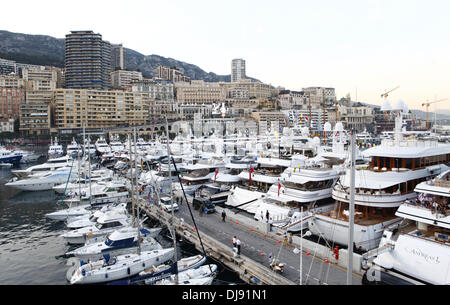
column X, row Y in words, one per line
column 258, row 247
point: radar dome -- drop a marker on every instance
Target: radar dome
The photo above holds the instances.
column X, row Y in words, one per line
column 405, row 108
column 398, row 105
column 316, row 141
column 327, row 127
column 385, row 106
column 339, row 127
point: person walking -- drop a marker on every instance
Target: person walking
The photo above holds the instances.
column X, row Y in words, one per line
column 238, row 245
column 223, row 215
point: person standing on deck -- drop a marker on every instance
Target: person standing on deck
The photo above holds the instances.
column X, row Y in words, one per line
column 223, row 215
column 238, row 245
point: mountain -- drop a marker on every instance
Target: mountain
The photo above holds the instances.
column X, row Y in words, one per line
column 47, row 50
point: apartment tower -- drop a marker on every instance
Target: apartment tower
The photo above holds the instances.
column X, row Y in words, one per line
column 237, row 69
column 87, row 61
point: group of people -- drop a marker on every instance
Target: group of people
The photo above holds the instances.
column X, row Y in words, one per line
column 435, row 205
column 236, row 244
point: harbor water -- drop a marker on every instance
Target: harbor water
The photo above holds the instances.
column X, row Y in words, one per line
column 31, row 249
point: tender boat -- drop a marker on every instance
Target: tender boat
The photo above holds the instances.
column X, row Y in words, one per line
column 119, row 242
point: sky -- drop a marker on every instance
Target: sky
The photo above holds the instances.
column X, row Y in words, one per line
column 361, row 47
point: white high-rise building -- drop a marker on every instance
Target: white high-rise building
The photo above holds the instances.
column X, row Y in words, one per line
column 237, row 69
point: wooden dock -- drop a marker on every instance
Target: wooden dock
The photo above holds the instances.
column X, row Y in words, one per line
column 249, row 270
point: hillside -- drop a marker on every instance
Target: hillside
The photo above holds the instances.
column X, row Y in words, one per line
column 47, row 50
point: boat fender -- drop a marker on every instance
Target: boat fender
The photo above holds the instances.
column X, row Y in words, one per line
column 128, row 270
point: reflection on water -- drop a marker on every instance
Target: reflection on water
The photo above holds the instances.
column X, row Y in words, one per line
column 29, row 242
column 31, row 246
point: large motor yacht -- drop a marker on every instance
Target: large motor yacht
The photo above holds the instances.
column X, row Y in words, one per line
column 417, row 251
column 396, row 167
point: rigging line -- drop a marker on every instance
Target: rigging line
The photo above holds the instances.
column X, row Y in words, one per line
column 312, row 261
column 187, row 204
column 67, row 182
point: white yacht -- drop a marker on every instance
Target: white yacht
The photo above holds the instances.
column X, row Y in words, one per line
column 105, row 224
column 195, row 175
column 101, row 146
column 116, row 145
column 55, row 150
column 50, row 165
column 119, row 242
column 255, row 183
column 112, row 192
column 73, row 149
column 396, row 167
column 44, row 182
column 122, row 266
column 417, row 251
column 308, row 185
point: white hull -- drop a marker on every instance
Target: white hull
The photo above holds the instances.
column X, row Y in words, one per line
column 366, row 237
column 126, row 266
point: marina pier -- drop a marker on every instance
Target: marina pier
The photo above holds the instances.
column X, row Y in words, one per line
column 257, row 250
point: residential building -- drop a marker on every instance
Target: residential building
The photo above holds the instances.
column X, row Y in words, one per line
column 293, row 99
column 173, row 74
column 162, row 92
column 320, row 96
column 188, row 111
column 40, row 79
column 100, row 108
column 11, row 81
column 35, row 118
column 199, row 92
column 6, row 125
column 117, row 57
column 255, row 89
column 357, row 117
column 87, row 61
column 10, row 100
column 237, row 69
column 7, row 66
column 264, row 120
column 123, row 78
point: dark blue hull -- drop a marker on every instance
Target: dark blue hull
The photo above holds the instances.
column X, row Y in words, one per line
column 13, row 160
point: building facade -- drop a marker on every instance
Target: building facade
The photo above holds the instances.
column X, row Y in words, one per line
column 87, row 61
column 117, row 57
column 237, row 69
column 124, row 79
column 100, row 108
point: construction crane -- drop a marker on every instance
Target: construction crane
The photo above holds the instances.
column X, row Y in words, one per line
column 427, row 104
column 385, row 94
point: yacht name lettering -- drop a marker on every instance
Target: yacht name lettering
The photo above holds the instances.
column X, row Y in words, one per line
column 428, row 258
column 199, row 295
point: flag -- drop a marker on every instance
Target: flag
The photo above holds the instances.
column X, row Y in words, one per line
column 250, row 175
column 217, row 171
column 279, row 186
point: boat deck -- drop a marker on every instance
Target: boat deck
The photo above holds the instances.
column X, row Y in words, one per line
column 359, row 219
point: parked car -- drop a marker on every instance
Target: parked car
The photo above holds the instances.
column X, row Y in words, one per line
column 205, row 203
column 166, row 204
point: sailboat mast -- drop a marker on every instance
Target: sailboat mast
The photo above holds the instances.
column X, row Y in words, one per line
column 351, row 211
column 174, row 236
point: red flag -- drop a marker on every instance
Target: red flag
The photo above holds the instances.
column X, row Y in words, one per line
column 250, row 175
column 217, row 171
column 279, row 186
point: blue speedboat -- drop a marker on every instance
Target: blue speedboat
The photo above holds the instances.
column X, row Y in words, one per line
column 7, row 156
